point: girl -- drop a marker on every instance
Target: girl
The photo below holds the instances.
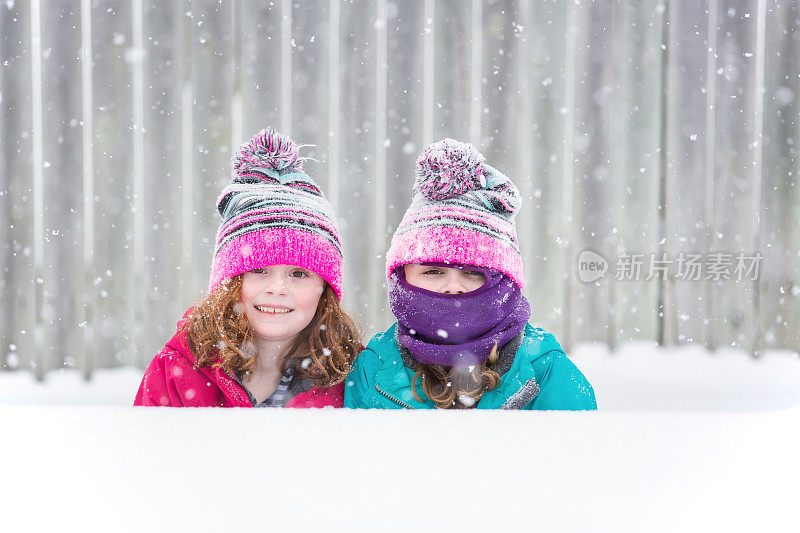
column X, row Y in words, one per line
column 462, row 339
column 270, row 332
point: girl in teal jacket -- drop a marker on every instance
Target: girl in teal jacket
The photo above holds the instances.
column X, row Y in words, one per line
column 462, row 339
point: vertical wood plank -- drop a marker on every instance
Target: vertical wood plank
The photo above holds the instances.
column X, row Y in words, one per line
column 476, row 73
column 453, row 43
column 261, row 65
column 139, row 281
column 113, row 182
column 163, row 83
column 6, row 249
column 635, row 141
column 187, row 225
column 17, row 311
column 86, row 348
column 568, row 173
column 593, row 167
column 237, row 107
column 779, row 276
column 754, row 343
column 287, row 44
column 61, row 268
column 541, row 90
column 709, row 295
column 498, row 73
column 357, row 168
column 734, row 302
column 211, row 57
column 428, row 74
column 377, row 292
column 309, row 86
column 334, row 103
column 685, row 315
column 523, row 164
column 309, row 76
column 38, row 356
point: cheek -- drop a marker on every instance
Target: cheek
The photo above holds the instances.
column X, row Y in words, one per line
column 249, row 289
column 475, row 284
column 426, row 284
column 307, row 301
column 418, row 280
column 251, row 317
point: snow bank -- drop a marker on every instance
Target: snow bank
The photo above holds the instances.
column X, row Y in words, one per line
column 638, row 376
column 660, row 455
column 126, row 469
column 642, row 376
column 108, row 387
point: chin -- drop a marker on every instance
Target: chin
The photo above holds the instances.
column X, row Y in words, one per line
column 276, row 335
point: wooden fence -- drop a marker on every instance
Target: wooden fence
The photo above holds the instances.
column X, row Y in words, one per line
column 634, row 128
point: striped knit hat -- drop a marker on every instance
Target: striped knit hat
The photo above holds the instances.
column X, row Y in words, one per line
column 462, row 211
column 274, row 214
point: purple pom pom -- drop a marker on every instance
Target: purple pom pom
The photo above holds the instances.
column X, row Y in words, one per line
column 267, row 149
column 449, row 168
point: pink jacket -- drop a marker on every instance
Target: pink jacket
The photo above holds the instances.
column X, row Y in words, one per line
column 171, row 380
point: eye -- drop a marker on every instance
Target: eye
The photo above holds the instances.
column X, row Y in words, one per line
column 474, row 273
column 432, row 272
column 259, row 270
column 299, row 274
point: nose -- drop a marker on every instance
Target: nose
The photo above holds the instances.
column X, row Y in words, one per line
column 452, row 283
column 274, row 284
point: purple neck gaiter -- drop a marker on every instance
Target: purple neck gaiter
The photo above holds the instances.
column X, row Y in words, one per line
column 457, row 329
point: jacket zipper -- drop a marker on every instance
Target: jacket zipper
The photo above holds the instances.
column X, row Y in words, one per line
column 392, row 398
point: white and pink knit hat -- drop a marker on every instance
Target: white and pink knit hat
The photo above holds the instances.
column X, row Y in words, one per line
column 462, row 211
column 274, row 214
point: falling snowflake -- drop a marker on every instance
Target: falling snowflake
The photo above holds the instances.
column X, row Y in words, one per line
column 466, row 401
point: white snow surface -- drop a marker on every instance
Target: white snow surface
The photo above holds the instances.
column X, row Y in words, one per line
column 683, row 441
column 639, row 376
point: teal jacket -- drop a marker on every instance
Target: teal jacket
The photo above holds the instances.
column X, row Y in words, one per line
column 540, row 377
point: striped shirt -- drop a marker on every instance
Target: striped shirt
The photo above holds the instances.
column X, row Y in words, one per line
column 279, row 398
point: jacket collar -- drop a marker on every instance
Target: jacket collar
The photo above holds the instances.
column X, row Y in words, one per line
column 232, row 391
column 297, row 385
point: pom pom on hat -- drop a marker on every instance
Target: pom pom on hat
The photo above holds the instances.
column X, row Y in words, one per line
column 449, row 168
column 268, row 150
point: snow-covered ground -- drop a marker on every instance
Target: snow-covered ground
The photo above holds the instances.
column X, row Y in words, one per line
column 683, row 441
column 637, row 377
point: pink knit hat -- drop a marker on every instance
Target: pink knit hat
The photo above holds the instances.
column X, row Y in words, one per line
column 274, row 214
column 462, row 211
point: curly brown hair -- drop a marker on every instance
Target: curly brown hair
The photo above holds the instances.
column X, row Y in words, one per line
column 220, row 336
column 451, row 387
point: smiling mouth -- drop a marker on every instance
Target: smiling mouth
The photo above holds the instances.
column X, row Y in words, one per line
column 273, row 310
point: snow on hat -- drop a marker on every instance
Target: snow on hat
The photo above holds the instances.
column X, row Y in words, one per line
column 462, row 211
column 274, row 214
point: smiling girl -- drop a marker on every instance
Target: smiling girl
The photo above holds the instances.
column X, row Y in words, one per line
column 462, row 339
column 271, row 331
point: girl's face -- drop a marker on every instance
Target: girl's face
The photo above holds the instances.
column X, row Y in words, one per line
column 280, row 301
column 443, row 280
